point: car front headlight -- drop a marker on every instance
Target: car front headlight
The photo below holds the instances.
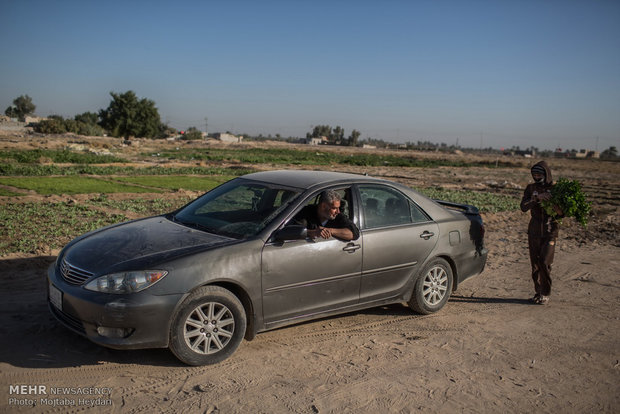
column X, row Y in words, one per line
column 126, row 282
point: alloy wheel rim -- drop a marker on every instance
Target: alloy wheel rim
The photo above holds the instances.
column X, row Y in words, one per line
column 209, row 328
column 435, row 286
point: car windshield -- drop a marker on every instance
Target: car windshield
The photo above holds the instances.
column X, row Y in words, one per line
column 239, row 208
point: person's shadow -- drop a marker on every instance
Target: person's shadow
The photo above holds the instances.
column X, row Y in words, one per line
column 491, row 300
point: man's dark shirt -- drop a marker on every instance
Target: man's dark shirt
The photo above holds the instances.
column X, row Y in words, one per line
column 308, row 217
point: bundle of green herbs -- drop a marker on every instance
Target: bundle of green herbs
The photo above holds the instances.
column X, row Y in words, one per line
column 568, row 196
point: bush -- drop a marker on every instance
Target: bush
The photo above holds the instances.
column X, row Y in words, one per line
column 57, row 125
column 89, row 118
column 192, row 134
column 91, row 130
column 51, row 126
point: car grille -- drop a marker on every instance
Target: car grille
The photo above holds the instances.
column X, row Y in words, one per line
column 70, row 321
column 73, row 275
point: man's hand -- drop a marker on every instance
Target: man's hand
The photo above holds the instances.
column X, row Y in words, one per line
column 323, row 232
column 544, row 196
column 536, row 197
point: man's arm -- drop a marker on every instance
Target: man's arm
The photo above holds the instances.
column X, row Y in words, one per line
column 344, row 229
column 527, row 202
column 327, row 232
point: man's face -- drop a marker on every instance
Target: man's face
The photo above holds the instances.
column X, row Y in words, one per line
column 538, row 177
column 329, row 211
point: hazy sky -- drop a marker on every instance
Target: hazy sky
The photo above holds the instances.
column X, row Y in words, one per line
column 499, row 73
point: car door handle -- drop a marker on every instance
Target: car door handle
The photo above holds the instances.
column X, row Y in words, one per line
column 426, row 235
column 351, row 247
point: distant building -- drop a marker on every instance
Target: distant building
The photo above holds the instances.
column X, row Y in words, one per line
column 230, row 138
column 587, row 154
column 581, row 154
column 33, row 119
column 521, row 153
column 317, row 141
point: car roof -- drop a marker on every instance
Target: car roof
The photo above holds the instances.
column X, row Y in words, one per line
column 305, row 178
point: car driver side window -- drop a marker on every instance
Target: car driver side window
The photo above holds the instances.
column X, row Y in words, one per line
column 345, row 201
column 384, row 206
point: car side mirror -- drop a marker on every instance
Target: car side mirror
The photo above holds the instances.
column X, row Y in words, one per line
column 292, row 232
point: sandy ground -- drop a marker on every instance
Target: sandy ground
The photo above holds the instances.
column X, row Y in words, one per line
column 488, row 350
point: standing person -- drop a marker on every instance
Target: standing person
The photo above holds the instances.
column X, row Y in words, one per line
column 542, row 232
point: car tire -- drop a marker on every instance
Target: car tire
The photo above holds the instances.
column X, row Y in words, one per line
column 208, row 327
column 433, row 287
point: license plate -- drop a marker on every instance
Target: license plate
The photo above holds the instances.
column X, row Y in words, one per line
column 55, row 297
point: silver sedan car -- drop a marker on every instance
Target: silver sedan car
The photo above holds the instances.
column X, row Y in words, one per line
column 236, row 262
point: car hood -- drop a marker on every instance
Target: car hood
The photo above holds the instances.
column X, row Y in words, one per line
column 147, row 241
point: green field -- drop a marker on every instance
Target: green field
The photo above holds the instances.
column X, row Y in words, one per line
column 72, row 185
column 310, row 157
column 57, row 156
column 8, row 193
column 486, row 202
column 177, row 182
column 34, row 227
column 28, row 227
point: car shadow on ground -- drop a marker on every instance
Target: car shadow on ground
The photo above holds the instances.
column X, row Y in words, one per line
column 30, row 337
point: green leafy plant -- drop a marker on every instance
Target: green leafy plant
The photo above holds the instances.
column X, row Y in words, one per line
column 568, row 196
column 486, row 202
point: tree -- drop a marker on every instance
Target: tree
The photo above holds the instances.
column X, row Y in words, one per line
column 338, row 135
column 128, row 116
column 11, row 112
column 22, row 106
column 322, row 131
column 611, row 152
column 355, row 134
column 335, row 136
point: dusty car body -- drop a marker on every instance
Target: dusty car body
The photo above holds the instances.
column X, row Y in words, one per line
column 232, row 263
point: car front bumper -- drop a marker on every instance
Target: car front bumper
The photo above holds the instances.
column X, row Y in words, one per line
column 129, row 321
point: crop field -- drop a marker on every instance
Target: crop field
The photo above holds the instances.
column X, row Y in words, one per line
column 50, row 195
column 312, row 158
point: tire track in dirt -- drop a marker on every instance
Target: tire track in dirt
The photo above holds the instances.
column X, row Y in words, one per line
column 398, row 321
column 174, row 385
column 147, row 382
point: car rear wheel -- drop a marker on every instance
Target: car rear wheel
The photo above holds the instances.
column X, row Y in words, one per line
column 432, row 289
column 209, row 326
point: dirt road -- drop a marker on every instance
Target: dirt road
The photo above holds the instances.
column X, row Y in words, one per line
column 488, row 350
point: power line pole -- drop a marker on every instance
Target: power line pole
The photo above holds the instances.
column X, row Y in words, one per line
column 206, row 125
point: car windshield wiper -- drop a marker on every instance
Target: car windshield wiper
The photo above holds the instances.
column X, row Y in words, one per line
column 194, row 225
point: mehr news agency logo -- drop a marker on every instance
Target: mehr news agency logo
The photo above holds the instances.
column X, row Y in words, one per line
column 33, row 395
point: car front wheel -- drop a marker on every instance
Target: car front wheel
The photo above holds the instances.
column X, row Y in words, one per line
column 432, row 289
column 208, row 327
